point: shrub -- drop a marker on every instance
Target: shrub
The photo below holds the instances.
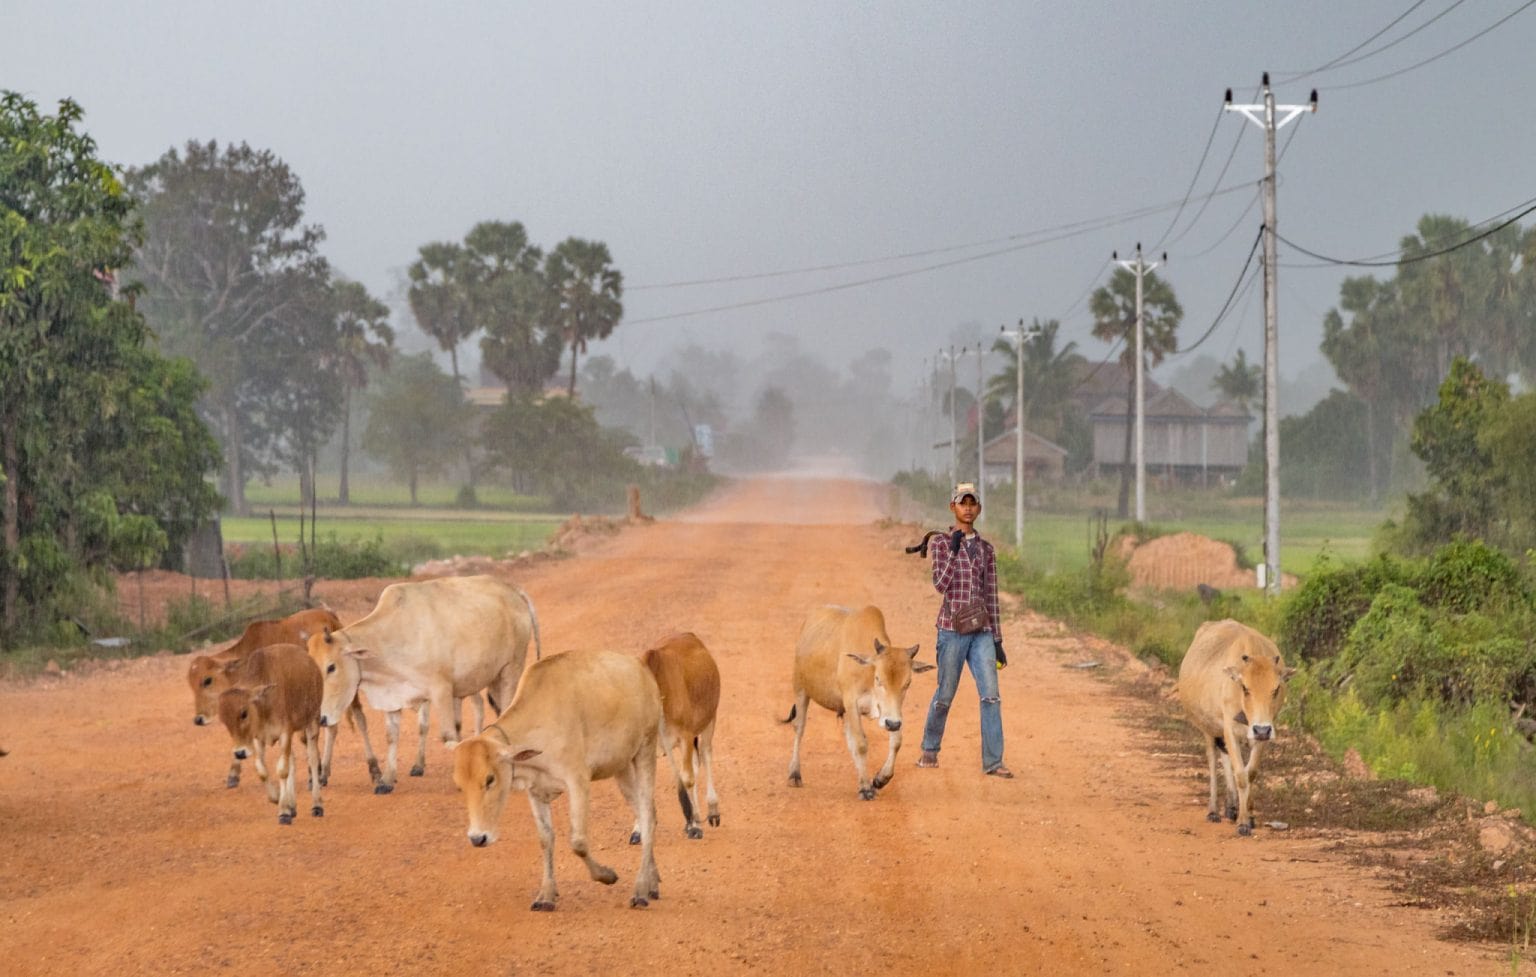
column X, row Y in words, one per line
column 1319, row 615
column 1468, row 575
column 335, row 559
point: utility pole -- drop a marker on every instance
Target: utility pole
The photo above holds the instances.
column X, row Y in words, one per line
column 1139, row 268
column 1018, row 336
column 954, row 458
column 981, row 426
column 1265, row 117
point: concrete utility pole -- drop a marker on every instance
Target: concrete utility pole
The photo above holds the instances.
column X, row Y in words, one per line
column 1264, row 116
column 981, row 426
column 954, row 458
column 1018, row 336
column 1139, row 268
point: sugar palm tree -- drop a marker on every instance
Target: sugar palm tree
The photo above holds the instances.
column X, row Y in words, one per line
column 589, row 290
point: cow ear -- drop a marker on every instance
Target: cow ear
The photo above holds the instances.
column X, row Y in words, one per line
column 1286, row 673
column 912, row 652
column 878, row 646
column 327, row 635
column 1234, row 673
column 923, row 667
column 860, row 659
column 231, row 666
column 259, row 694
column 357, row 653
column 509, row 755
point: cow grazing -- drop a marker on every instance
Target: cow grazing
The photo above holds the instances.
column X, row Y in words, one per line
column 844, row 661
column 689, row 681
column 285, row 702
column 1232, row 683
column 211, row 675
column 427, row 642
column 578, row 717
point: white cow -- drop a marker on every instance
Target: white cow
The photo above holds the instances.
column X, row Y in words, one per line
column 430, row 641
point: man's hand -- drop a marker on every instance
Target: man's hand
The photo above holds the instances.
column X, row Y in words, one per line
column 997, row 648
column 954, row 540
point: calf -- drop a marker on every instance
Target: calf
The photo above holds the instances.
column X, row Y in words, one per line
column 286, row 701
column 844, row 661
column 208, row 675
column 576, row 717
column 1231, row 684
column 689, row 681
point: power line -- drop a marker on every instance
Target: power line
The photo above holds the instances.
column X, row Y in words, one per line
column 1450, row 50
column 1416, row 258
column 1194, row 179
column 1241, row 276
column 1231, row 155
column 1340, row 61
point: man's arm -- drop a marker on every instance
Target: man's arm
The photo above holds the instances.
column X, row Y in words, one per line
column 990, row 584
column 943, row 565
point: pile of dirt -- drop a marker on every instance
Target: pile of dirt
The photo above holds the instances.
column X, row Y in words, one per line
column 1183, row 561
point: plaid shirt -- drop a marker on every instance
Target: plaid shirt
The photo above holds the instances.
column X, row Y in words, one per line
column 959, row 576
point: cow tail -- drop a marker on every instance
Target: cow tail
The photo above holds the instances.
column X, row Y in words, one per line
column 791, row 717
column 533, row 618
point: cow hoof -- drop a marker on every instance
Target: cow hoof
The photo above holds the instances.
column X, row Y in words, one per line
column 1245, row 830
column 881, row 782
column 794, row 780
column 375, row 772
column 607, row 876
column 695, row 832
column 638, row 903
column 325, row 781
column 285, row 819
column 1232, row 813
column 634, row 837
column 540, row 906
column 383, row 788
column 1213, row 817
column 867, row 793
column 232, row 782
column 714, row 820
column 418, row 771
column 317, row 811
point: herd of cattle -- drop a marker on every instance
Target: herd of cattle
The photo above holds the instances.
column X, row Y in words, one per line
column 566, row 721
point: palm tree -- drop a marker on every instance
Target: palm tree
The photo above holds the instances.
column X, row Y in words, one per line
column 589, row 290
column 364, row 340
column 440, row 296
column 1114, row 320
column 1047, row 377
column 1240, row 381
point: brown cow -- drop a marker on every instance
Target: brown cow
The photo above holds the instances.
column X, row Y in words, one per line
column 689, row 681
column 844, row 661
column 285, row 700
column 206, row 675
column 577, row 717
column 1232, row 683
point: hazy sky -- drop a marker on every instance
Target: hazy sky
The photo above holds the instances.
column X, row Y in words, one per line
column 714, row 140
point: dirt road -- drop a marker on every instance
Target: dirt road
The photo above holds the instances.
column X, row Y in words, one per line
column 122, row 853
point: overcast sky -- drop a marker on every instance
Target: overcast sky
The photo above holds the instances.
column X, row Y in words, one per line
column 718, row 140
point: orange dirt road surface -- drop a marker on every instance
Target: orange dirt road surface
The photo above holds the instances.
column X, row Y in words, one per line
column 121, row 851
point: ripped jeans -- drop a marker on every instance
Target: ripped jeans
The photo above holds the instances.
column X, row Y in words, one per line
column 955, row 651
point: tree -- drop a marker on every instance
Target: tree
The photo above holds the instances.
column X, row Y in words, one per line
column 589, row 291
column 442, row 283
column 88, row 415
column 1241, row 382
column 1047, row 378
column 365, row 341
column 555, row 446
column 1114, row 320
column 1448, row 436
column 418, row 420
column 232, row 278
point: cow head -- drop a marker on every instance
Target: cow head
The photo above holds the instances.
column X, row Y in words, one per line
column 893, row 669
column 337, row 658
column 241, row 711
column 486, row 771
column 208, row 677
column 1259, row 681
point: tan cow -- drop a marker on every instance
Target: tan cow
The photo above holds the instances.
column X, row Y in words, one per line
column 209, row 675
column 844, row 662
column 284, row 702
column 579, row 717
column 432, row 642
column 689, row 681
column 1232, row 683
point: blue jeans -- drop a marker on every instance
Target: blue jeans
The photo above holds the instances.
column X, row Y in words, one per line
column 976, row 650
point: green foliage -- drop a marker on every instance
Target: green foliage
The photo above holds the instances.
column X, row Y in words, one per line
column 1467, row 575
column 1465, row 487
column 334, row 559
column 418, row 422
column 556, row 447
column 1321, row 450
column 1318, row 616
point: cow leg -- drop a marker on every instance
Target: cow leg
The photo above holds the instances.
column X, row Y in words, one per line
column 386, row 782
column 423, row 724
column 478, row 704
column 361, row 721
column 328, row 735
column 288, row 802
column 1245, row 794
column 448, row 725
column 686, row 781
column 232, row 777
column 312, row 739
column 1212, row 813
column 707, row 761
column 1237, row 771
column 638, row 785
column 797, row 716
column 889, row 770
column 264, row 773
column 858, row 746
column 580, row 791
column 544, row 822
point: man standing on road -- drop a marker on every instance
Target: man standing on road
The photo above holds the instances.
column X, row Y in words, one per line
column 970, row 631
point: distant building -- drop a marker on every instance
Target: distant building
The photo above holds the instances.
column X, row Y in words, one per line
column 1183, row 441
column 1044, row 460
